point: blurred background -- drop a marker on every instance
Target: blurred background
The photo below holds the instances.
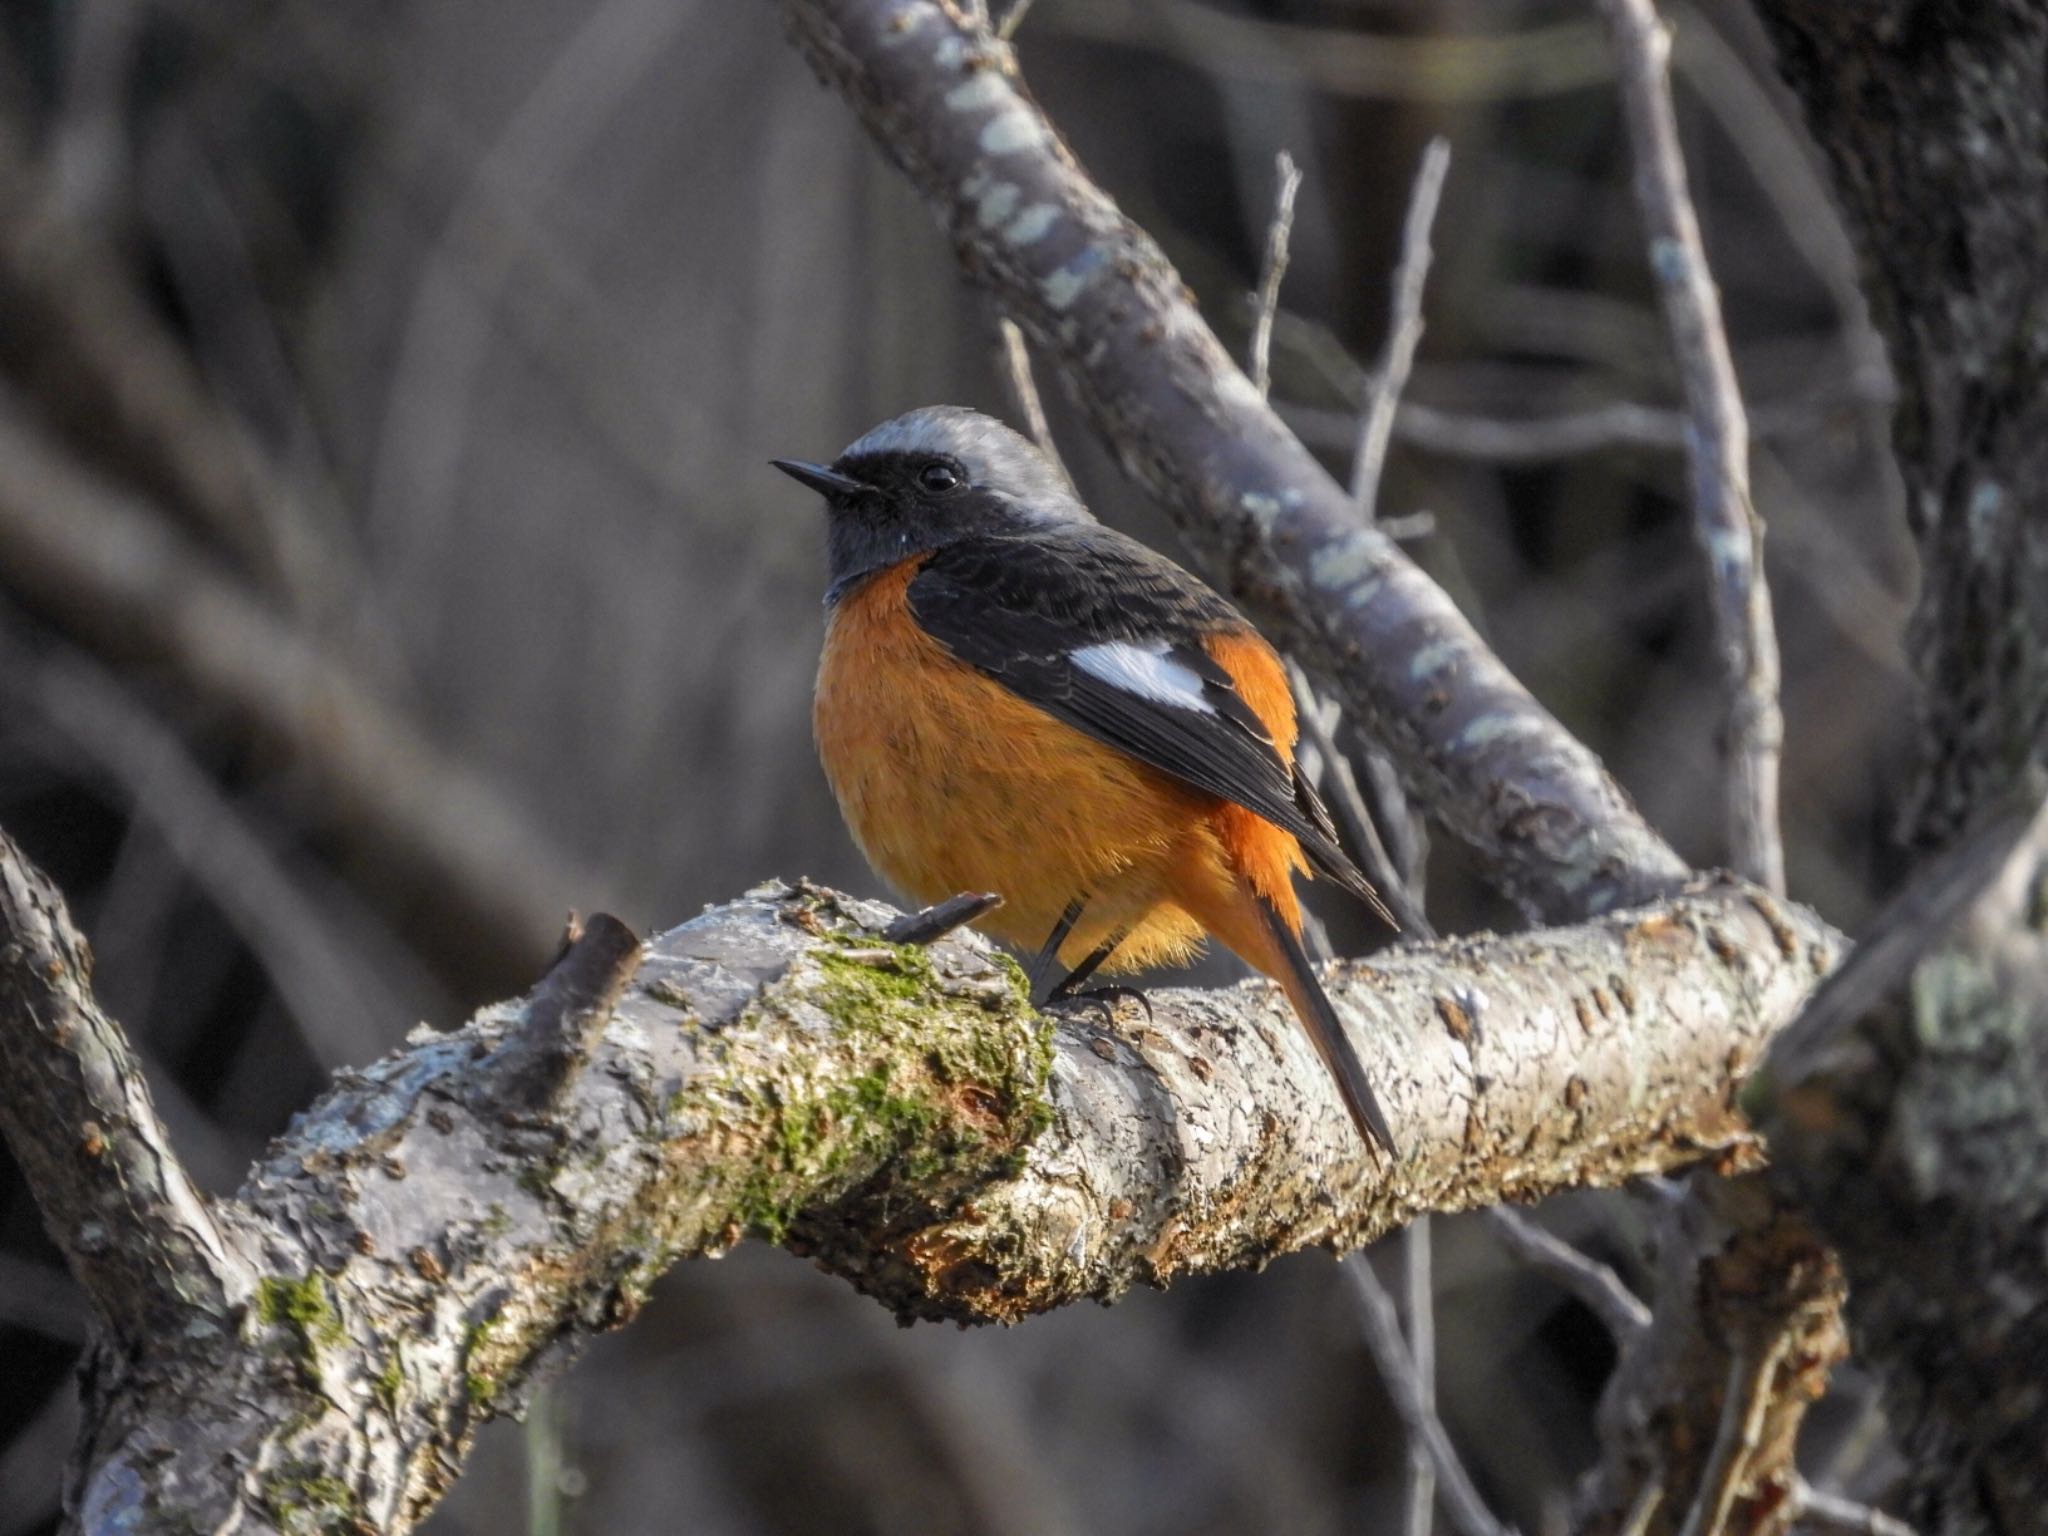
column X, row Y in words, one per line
column 389, row 564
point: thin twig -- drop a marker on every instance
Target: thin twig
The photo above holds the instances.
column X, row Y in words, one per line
column 1418, row 1301
column 1016, row 361
column 1375, row 425
column 1724, row 512
column 1272, row 270
column 1339, row 786
column 1751, row 1373
column 1830, row 1512
column 1460, row 1498
column 1404, row 328
column 1013, row 18
column 1594, row 1283
column 1337, row 781
column 1648, row 1500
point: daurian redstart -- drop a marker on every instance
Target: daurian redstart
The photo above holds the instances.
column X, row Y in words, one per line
column 1015, row 698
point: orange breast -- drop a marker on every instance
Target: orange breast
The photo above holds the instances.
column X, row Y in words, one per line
column 951, row 783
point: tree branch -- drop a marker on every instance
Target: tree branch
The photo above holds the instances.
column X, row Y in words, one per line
column 422, row 1239
column 1099, row 299
column 1907, row 1109
column 77, row 1114
column 1936, row 149
column 1717, row 445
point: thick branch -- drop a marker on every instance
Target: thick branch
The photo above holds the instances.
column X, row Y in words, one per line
column 76, row 1113
column 1934, row 118
column 1101, row 301
column 1908, row 1108
column 422, row 1240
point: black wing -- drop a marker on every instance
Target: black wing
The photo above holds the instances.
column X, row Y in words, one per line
column 1018, row 607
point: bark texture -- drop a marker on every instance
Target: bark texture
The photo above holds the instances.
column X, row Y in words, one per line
column 435, row 1230
column 1907, row 1111
column 1934, row 117
column 1101, row 301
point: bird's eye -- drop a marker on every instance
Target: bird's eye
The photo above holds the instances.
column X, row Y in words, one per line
column 938, row 478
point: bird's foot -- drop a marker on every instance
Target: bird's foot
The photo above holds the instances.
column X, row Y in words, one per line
column 941, row 918
column 1106, row 998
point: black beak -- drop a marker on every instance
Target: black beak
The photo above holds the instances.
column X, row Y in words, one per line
column 826, row 482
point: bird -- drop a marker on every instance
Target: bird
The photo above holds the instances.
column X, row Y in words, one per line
column 1015, row 697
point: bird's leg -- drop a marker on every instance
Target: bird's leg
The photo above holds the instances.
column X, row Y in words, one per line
column 1047, row 960
column 1071, row 990
column 941, row 918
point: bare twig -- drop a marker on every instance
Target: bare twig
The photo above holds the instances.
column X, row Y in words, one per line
column 1335, row 777
column 1418, row 1309
column 1620, row 426
column 1013, row 18
column 1016, row 360
column 1729, row 529
column 1340, row 786
column 565, row 1016
column 1383, row 389
column 1828, row 1512
column 1594, row 1283
column 1649, row 1499
column 1752, row 1375
column 1461, row 1500
column 1741, row 1277
column 1404, row 329
column 1272, row 270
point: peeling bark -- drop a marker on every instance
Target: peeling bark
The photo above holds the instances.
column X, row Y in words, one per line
column 1262, row 515
column 429, row 1235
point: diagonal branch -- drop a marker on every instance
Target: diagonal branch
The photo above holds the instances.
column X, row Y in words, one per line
column 76, row 1111
column 1095, row 294
column 424, row 1237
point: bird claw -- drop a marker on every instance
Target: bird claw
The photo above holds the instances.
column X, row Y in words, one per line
column 1106, row 998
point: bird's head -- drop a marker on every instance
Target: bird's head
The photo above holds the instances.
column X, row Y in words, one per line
column 926, row 479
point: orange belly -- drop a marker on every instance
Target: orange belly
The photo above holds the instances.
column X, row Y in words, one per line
column 951, row 783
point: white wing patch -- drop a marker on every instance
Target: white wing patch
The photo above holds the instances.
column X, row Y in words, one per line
column 1145, row 670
